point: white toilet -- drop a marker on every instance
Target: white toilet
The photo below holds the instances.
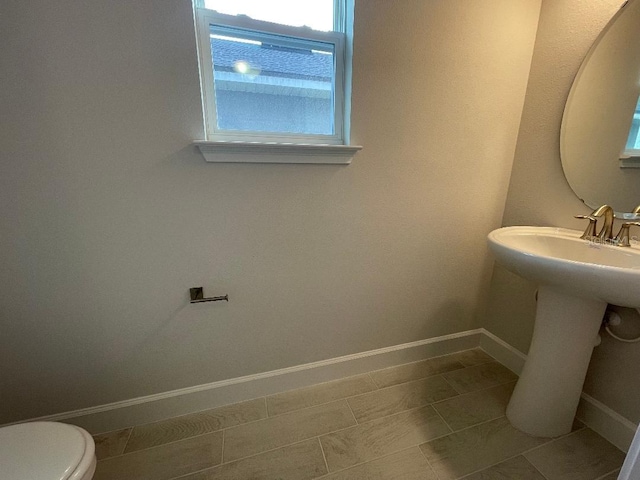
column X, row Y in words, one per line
column 46, row 451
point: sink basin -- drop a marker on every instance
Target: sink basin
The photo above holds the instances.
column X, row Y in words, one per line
column 558, row 257
column 576, row 279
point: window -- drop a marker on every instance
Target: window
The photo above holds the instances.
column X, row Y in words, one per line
column 630, row 156
column 633, row 141
column 266, row 77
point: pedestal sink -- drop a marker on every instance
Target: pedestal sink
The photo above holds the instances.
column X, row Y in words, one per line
column 577, row 280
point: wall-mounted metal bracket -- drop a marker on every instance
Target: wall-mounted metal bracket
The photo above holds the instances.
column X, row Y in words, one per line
column 197, row 296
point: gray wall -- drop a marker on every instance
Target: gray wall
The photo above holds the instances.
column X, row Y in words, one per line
column 108, row 214
column 540, row 195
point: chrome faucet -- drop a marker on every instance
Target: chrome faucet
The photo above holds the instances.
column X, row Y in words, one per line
column 606, row 232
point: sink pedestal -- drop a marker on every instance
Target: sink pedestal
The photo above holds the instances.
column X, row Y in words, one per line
column 580, row 278
column 546, row 397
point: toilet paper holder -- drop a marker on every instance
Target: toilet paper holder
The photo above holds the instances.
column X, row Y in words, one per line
column 197, row 296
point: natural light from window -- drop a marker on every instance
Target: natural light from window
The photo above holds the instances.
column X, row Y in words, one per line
column 275, row 70
column 317, row 14
column 633, row 141
column 269, row 87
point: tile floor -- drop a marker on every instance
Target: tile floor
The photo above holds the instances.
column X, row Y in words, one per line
column 437, row 419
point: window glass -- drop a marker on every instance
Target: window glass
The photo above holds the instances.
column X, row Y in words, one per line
column 633, row 142
column 267, row 83
column 317, row 14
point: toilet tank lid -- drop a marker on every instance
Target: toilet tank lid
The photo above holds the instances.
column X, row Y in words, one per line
column 41, row 450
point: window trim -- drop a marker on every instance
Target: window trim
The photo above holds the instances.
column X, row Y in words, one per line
column 205, row 17
column 630, row 159
column 260, row 152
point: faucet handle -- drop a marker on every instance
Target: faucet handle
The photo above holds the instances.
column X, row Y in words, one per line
column 622, row 238
column 590, row 231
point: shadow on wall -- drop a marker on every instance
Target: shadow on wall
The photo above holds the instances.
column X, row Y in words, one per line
column 623, row 355
column 452, row 315
column 513, row 298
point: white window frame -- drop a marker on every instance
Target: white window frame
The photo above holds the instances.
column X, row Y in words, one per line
column 294, row 36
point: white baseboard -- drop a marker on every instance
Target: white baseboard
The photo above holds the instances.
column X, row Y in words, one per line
column 609, row 424
column 137, row 411
column 503, row 352
column 114, row 416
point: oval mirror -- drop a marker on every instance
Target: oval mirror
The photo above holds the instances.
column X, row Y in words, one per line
column 598, row 121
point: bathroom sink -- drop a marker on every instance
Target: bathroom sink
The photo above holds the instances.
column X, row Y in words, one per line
column 576, row 280
column 558, row 257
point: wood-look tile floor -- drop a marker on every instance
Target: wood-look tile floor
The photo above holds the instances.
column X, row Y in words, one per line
column 437, row 419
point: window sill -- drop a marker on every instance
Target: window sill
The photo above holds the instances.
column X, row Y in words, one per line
column 630, row 161
column 255, row 152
